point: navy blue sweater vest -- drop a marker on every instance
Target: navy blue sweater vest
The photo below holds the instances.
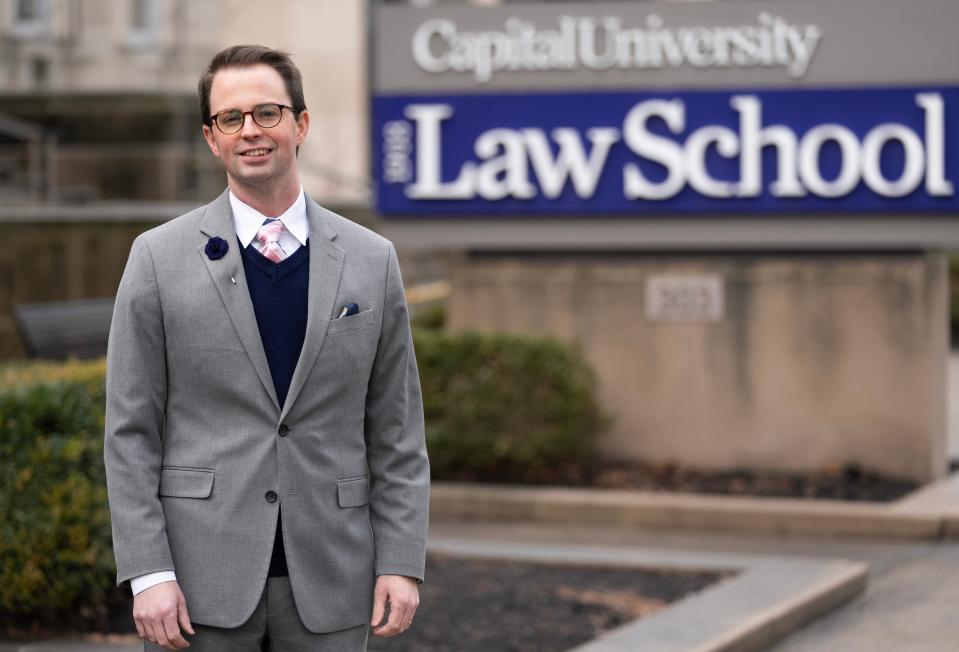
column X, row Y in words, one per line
column 279, row 295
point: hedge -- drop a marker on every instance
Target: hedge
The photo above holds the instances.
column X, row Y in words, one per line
column 56, row 562
column 497, row 408
column 505, row 407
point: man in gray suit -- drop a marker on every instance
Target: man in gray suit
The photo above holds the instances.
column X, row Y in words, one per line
column 264, row 442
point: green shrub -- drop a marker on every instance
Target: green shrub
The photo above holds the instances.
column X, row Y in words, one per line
column 429, row 317
column 88, row 374
column 505, row 407
column 497, row 408
column 56, row 561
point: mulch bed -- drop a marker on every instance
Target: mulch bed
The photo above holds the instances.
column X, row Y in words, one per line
column 110, row 619
column 835, row 483
column 472, row 605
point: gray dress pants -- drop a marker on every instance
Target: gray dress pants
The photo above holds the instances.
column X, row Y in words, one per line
column 274, row 627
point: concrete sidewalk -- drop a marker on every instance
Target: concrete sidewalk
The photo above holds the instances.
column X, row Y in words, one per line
column 912, row 606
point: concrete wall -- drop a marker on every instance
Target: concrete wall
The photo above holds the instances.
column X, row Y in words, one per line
column 816, row 360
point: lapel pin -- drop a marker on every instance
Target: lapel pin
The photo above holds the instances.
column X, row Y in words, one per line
column 216, row 248
column 233, row 278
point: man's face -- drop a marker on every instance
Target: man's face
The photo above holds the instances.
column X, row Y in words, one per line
column 255, row 156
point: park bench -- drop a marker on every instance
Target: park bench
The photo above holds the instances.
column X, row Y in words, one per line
column 61, row 329
column 80, row 328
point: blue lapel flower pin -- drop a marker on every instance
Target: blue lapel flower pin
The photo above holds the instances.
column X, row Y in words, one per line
column 216, row 248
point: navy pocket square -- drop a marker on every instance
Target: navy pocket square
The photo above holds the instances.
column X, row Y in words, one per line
column 347, row 310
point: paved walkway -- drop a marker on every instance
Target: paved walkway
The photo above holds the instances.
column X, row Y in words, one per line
column 913, row 606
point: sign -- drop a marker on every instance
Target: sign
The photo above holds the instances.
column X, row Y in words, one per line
column 736, row 108
column 684, row 298
column 606, row 43
column 663, row 45
column 850, row 150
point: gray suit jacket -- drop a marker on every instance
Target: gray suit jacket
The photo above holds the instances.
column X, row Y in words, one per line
column 195, row 439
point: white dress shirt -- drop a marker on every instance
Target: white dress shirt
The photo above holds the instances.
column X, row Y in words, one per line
column 247, row 221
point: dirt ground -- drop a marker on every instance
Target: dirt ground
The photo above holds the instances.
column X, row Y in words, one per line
column 479, row 605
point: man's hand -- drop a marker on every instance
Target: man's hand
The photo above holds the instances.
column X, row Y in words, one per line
column 403, row 596
column 159, row 612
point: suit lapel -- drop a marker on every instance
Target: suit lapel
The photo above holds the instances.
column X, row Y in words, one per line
column 218, row 221
column 326, row 266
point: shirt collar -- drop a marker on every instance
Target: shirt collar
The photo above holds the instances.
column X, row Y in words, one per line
column 247, row 220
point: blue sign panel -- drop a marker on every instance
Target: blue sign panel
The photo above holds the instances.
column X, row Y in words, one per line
column 823, row 150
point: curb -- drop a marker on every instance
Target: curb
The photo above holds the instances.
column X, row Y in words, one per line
column 940, row 498
column 950, row 525
column 826, row 518
column 769, row 598
column 739, row 618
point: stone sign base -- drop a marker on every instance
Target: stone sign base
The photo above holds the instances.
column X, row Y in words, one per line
column 785, row 362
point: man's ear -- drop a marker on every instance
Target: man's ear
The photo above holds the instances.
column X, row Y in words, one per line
column 302, row 127
column 210, row 141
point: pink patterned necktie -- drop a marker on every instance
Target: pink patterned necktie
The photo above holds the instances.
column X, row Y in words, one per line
column 268, row 237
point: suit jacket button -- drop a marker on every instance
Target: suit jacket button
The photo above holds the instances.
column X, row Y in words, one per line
column 284, row 430
column 271, row 496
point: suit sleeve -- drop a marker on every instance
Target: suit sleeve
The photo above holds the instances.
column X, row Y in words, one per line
column 136, row 391
column 396, row 443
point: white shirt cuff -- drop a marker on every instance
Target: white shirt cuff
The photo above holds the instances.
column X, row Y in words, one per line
column 142, row 583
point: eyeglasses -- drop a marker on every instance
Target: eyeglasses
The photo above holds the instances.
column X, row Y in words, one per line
column 231, row 121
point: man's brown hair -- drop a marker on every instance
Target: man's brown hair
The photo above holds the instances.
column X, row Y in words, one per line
column 247, row 56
